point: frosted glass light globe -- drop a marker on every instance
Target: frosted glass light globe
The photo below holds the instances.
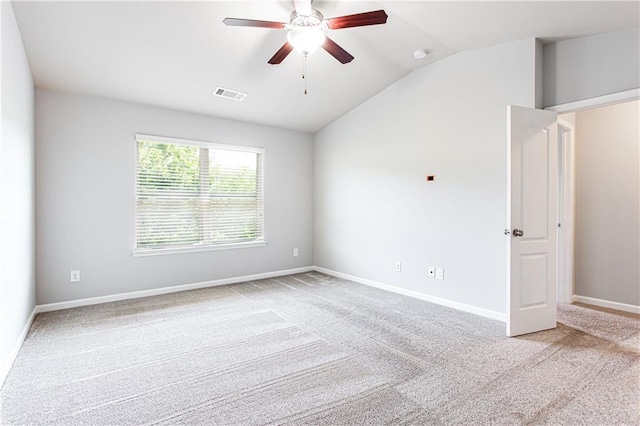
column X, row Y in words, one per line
column 306, row 40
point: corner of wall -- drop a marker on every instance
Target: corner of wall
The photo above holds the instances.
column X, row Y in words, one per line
column 17, row 205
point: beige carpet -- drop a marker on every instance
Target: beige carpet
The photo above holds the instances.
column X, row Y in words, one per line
column 312, row 349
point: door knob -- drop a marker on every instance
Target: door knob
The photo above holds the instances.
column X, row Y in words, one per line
column 518, row 232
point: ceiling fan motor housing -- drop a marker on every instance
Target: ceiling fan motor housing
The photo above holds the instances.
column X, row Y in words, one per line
column 314, row 20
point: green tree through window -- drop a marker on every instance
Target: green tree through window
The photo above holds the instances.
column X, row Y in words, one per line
column 194, row 195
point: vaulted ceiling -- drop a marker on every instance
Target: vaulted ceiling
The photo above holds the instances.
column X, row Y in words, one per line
column 175, row 54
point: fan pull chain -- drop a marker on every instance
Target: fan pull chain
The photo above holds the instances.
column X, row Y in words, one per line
column 304, row 73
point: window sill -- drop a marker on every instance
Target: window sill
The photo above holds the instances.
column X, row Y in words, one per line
column 158, row 252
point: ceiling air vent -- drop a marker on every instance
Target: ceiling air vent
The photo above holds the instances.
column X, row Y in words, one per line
column 230, row 94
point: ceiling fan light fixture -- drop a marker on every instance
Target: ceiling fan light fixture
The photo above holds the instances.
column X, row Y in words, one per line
column 306, row 40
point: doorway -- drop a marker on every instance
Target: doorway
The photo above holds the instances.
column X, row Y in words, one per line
column 598, row 238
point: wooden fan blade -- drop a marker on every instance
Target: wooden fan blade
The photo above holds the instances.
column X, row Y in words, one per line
column 336, row 51
column 282, row 53
column 303, row 7
column 239, row 22
column 358, row 20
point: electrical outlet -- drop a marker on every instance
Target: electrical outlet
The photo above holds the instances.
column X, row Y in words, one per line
column 295, row 252
column 439, row 274
column 398, row 266
column 432, row 272
column 74, row 276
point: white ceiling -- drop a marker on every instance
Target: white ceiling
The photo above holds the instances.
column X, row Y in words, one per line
column 175, row 54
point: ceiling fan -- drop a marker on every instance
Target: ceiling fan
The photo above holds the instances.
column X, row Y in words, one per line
column 306, row 30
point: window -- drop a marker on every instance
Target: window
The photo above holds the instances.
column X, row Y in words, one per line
column 197, row 196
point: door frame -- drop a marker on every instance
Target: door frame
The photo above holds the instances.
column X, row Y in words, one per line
column 598, row 101
column 566, row 233
column 566, row 211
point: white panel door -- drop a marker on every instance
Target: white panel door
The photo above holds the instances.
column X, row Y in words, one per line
column 533, row 189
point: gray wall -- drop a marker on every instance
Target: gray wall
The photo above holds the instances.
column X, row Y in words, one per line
column 607, row 244
column 85, row 159
column 372, row 205
column 17, row 223
column 588, row 67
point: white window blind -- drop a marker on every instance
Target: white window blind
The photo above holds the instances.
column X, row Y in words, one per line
column 195, row 194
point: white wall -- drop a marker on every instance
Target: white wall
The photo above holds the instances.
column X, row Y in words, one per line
column 372, row 205
column 607, row 228
column 589, row 67
column 85, row 159
column 17, row 223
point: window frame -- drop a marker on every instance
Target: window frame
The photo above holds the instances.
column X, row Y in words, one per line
column 141, row 252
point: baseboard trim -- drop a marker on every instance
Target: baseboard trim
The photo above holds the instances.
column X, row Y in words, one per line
column 499, row 316
column 634, row 309
column 16, row 348
column 165, row 290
